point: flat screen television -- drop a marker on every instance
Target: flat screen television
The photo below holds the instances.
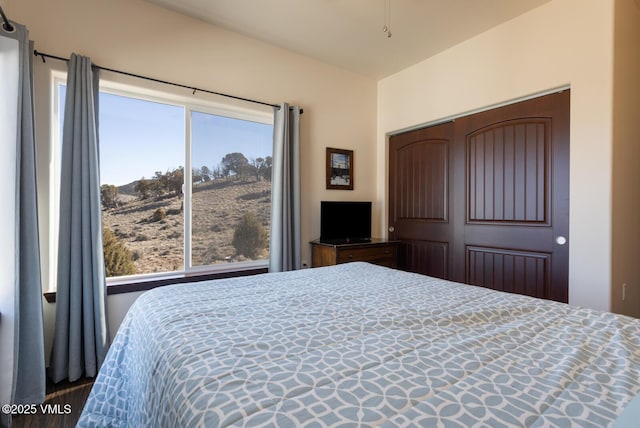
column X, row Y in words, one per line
column 343, row 222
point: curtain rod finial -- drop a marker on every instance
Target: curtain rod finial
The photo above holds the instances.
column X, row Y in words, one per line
column 6, row 24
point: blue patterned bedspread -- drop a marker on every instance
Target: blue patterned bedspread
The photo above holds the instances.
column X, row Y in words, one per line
column 362, row 345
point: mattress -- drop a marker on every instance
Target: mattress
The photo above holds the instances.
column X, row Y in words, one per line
column 362, row 345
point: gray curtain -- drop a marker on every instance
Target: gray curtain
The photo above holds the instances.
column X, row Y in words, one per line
column 284, row 247
column 28, row 375
column 81, row 337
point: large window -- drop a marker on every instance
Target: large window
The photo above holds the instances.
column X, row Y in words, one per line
column 183, row 187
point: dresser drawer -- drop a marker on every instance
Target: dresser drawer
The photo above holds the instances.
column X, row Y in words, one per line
column 378, row 251
column 382, row 254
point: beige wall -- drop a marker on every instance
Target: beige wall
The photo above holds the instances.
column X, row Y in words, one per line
column 564, row 43
column 136, row 36
column 626, row 158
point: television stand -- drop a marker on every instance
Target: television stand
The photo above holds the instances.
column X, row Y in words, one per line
column 377, row 251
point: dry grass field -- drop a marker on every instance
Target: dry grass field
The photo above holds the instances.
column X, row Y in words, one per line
column 158, row 245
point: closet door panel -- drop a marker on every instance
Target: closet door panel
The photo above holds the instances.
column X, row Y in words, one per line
column 420, row 194
column 508, row 168
column 514, row 193
column 426, row 257
column 502, row 269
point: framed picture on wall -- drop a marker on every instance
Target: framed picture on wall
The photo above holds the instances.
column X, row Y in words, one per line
column 339, row 169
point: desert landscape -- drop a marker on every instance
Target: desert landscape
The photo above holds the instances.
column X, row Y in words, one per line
column 152, row 228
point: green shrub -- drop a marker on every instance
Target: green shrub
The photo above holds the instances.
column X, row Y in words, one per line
column 249, row 237
column 118, row 259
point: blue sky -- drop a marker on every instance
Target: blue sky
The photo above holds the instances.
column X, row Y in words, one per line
column 138, row 138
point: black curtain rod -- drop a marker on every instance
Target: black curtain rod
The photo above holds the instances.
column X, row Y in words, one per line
column 193, row 88
column 5, row 21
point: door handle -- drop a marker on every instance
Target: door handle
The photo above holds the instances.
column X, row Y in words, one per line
column 561, row 240
column 392, row 229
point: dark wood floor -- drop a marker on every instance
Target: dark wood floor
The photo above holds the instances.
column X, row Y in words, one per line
column 69, row 398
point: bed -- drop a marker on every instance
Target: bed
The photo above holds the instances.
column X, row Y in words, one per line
column 362, row 345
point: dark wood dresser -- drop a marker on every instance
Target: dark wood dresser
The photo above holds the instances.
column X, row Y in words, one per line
column 377, row 251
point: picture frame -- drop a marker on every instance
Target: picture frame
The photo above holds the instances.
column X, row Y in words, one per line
column 339, row 169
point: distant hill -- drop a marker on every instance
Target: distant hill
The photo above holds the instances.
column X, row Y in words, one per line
column 127, row 189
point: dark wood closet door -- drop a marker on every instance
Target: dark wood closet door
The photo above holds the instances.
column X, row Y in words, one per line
column 515, row 197
column 508, row 200
column 420, row 194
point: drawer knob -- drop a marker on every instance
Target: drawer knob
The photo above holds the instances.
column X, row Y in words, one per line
column 350, row 256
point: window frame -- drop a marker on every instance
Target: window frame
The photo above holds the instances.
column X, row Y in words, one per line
column 207, row 105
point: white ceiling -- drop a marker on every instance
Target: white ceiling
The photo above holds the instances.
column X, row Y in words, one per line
column 348, row 33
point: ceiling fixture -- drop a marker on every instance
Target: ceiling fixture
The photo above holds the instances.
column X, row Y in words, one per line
column 387, row 18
